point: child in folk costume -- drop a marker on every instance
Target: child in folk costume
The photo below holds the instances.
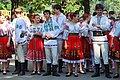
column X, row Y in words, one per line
column 115, row 44
column 86, row 43
column 60, row 18
column 51, row 30
column 35, row 48
column 5, row 36
column 72, row 44
column 100, row 25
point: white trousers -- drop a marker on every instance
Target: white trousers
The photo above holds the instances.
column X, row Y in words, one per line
column 59, row 43
column 51, row 55
column 103, row 46
column 21, row 52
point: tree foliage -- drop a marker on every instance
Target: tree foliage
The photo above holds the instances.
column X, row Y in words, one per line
column 37, row 6
column 5, row 4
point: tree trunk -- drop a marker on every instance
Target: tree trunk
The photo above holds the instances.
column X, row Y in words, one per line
column 86, row 4
column 14, row 5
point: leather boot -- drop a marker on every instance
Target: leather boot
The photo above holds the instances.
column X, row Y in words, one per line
column 22, row 72
column 54, row 68
column 26, row 66
column 107, row 74
column 18, row 68
column 60, row 65
column 16, row 65
column 97, row 71
column 48, row 70
column 41, row 68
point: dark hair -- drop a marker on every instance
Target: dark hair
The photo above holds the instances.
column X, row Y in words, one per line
column 85, row 16
column 58, row 7
column 0, row 13
column 35, row 16
column 111, row 12
column 112, row 18
column 67, row 14
column 74, row 14
column 47, row 11
column 7, row 17
column 99, row 6
column 94, row 13
column 105, row 10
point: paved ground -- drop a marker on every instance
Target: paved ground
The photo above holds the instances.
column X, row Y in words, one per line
column 40, row 77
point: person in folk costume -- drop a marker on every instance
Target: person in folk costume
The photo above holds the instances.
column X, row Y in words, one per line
column 86, row 43
column 68, row 20
column 99, row 25
column 28, row 24
column 13, row 38
column 13, row 23
column 111, row 20
column 115, row 45
column 60, row 18
column 105, row 12
column 5, row 36
column 35, row 50
column 72, row 44
column 21, row 41
column 111, row 50
column 81, row 71
column 51, row 31
column 11, row 47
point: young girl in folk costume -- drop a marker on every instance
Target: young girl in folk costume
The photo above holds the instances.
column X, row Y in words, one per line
column 35, row 49
column 86, row 42
column 5, row 36
column 73, row 47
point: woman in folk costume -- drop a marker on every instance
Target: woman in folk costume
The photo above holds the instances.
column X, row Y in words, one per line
column 111, row 50
column 115, row 45
column 35, row 49
column 5, row 36
column 86, row 42
column 73, row 47
column 11, row 47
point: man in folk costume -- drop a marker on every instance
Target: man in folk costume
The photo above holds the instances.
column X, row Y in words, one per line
column 13, row 23
column 60, row 18
column 99, row 26
column 21, row 43
column 115, row 44
column 51, row 30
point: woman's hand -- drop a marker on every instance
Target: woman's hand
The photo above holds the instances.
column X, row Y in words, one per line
column 8, row 44
column 65, row 45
